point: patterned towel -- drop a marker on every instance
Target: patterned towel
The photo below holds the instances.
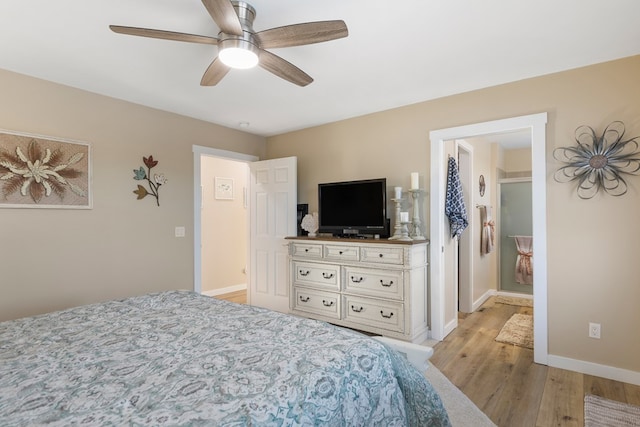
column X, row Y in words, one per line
column 454, row 207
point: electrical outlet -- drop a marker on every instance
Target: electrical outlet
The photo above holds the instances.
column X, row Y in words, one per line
column 594, row 330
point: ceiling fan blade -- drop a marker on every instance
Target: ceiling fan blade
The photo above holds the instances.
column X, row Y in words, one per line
column 224, row 15
column 301, row 34
column 216, row 71
column 161, row 34
column 283, row 69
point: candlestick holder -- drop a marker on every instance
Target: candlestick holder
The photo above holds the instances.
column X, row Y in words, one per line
column 400, row 229
column 416, row 232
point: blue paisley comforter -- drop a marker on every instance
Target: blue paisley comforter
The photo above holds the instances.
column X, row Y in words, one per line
column 179, row 358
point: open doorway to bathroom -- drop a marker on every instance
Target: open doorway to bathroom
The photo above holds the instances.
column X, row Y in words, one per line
column 443, row 296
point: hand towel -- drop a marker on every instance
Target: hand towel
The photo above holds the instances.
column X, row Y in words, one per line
column 487, row 238
column 524, row 262
column 454, row 207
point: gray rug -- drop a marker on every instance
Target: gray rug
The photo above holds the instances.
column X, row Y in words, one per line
column 462, row 411
column 601, row 412
column 518, row 330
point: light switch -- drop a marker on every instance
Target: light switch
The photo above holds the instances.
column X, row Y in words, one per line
column 180, row 231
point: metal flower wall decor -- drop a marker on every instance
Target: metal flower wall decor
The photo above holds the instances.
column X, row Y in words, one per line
column 154, row 186
column 599, row 163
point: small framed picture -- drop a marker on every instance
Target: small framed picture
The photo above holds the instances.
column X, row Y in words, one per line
column 223, row 188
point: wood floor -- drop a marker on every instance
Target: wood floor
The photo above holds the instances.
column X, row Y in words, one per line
column 239, row 296
column 502, row 380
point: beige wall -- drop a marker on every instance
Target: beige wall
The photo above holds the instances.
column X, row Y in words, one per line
column 225, row 226
column 593, row 244
column 51, row 259
column 518, row 160
column 485, row 267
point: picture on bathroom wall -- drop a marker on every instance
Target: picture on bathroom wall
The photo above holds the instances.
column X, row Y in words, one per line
column 44, row 172
column 223, row 188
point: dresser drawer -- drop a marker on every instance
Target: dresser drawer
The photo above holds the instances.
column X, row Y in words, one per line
column 316, row 301
column 322, row 275
column 306, row 250
column 382, row 255
column 341, row 253
column 374, row 282
column 382, row 314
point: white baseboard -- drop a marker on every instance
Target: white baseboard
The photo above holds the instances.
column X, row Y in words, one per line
column 228, row 289
column 449, row 327
column 514, row 295
column 590, row 368
column 477, row 303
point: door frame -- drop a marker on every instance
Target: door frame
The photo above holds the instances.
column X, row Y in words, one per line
column 198, row 152
column 465, row 259
column 536, row 123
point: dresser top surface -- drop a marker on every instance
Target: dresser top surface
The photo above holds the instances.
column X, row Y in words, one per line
column 356, row 240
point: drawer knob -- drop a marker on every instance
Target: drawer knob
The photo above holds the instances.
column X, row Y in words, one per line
column 380, row 255
column 386, row 316
column 304, row 299
column 341, row 252
column 327, row 275
column 306, row 249
column 357, row 310
column 355, row 279
column 386, row 285
column 304, row 273
column 327, row 303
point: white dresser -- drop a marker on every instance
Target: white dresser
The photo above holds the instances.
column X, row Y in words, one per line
column 377, row 286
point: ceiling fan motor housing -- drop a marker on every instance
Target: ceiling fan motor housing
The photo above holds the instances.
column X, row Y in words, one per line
column 240, row 50
column 246, row 14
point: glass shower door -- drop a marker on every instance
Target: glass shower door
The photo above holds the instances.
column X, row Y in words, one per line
column 515, row 220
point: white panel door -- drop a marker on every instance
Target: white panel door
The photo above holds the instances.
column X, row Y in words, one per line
column 273, row 206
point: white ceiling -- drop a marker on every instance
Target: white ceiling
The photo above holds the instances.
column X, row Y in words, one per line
column 397, row 53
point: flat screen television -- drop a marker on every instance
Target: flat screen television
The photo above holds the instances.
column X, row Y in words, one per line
column 353, row 208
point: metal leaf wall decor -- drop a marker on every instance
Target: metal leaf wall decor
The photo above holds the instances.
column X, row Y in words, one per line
column 154, row 185
column 599, row 163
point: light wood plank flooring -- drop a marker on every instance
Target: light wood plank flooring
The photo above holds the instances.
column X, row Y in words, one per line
column 239, row 296
column 502, row 380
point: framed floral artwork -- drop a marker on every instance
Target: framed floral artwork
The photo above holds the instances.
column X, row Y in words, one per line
column 223, row 188
column 44, row 172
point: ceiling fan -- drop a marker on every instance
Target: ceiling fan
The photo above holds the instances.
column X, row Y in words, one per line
column 239, row 46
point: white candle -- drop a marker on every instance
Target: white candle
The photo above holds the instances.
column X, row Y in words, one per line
column 398, row 192
column 414, row 181
column 404, row 216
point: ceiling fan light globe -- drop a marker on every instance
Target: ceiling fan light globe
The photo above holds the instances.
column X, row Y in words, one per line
column 238, row 52
column 237, row 57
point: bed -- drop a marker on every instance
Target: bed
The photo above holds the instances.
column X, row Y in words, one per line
column 180, row 358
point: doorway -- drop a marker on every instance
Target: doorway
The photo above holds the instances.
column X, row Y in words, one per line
column 271, row 200
column 224, row 225
column 200, row 153
column 442, row 305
